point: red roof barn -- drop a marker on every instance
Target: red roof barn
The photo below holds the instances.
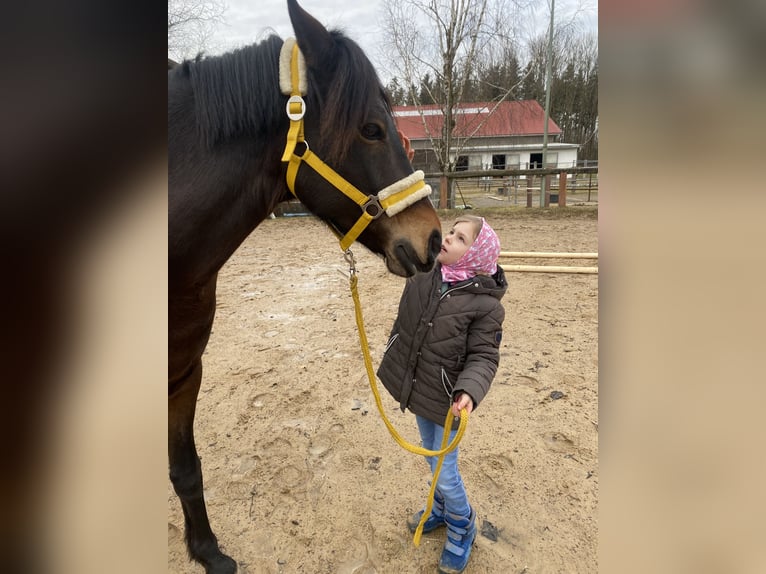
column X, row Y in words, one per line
column 522, row 118
column 487, row 135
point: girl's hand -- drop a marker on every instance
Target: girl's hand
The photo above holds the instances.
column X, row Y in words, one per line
column 463, row 400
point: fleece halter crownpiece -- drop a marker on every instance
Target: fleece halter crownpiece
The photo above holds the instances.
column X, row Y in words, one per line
column 392, row 199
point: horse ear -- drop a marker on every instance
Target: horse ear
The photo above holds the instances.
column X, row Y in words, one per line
column 313, row 39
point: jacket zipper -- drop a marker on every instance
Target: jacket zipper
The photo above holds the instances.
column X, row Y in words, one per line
column 444, row 378
column 448, row 291
column 448, row 382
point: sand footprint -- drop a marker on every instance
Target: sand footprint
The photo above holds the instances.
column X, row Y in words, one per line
column 279, row 446
column 558, row 442
column 496, row 468
column 261, row 400
column 291, row 479
column 500, row 462
column 527, row 381
column 320, row 446
column 239, row 489
column 356, row 559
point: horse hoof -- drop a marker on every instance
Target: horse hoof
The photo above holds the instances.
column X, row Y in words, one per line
column 222, row 564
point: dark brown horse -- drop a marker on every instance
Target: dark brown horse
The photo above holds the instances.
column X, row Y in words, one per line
column 227, row 127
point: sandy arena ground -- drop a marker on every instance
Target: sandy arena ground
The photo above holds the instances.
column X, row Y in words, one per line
column 300, row 472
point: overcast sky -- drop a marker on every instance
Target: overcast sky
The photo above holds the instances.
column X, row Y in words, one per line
column 249, row 21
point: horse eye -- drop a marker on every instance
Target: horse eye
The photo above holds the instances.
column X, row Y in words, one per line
column 372, row 132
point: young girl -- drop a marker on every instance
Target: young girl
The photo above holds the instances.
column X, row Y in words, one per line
column 443, row 353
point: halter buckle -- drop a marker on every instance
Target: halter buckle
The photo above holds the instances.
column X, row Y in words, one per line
column 372, row 207
column 295, row 100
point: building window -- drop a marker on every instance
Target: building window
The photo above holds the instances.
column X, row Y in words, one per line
column 498, row 161
column 536, row 160
column 462, row 163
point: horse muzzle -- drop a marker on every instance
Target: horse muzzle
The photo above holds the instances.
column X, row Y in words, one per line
column 403, row 259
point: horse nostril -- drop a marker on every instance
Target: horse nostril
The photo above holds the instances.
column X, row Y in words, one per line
column 434, row 246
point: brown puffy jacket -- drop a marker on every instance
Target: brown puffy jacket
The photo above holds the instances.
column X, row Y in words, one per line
column 444, row 342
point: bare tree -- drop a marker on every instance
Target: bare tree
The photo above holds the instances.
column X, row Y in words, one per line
column 446, row 52
column 434, row 44
column 574, row 90
column 577, row 93
column 190, row 25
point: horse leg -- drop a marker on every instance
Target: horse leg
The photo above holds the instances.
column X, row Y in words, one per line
column 186, row 475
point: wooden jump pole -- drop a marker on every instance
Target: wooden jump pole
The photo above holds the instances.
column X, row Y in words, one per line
column 547, row 254
column 548, row 269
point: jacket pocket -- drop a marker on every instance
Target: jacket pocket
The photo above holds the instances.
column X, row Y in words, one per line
column 447, row 384
column 391, row 341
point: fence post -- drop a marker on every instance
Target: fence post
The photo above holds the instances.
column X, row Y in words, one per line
column 546, row 182
column 529, row 190
column 563, row 189
column 515, row 185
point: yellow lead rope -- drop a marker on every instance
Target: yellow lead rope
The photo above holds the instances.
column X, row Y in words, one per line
column 445, row 448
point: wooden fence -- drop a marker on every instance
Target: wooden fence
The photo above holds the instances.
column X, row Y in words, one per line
column 498, row 188
column 534, row 255
column 562, row 186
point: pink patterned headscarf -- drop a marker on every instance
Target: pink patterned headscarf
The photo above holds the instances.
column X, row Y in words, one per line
column 481, row 257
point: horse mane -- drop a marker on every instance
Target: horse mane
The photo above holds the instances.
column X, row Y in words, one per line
column 354, row 85
column 237, row 94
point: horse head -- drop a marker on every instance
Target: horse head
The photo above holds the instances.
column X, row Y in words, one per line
column 348, row 123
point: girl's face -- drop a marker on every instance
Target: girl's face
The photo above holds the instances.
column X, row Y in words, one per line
column 456, row 243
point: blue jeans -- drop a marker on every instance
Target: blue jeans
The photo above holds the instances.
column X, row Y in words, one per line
column 450, row 484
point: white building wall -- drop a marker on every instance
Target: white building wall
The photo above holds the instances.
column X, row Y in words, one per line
column 475, row 161
column 567, row 157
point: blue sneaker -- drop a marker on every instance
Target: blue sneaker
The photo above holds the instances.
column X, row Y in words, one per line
column 457, row 549
column 434, row 521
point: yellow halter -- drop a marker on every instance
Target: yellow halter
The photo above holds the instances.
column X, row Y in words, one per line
column 390, row 200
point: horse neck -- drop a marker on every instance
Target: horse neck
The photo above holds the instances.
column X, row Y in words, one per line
column 211, row 214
